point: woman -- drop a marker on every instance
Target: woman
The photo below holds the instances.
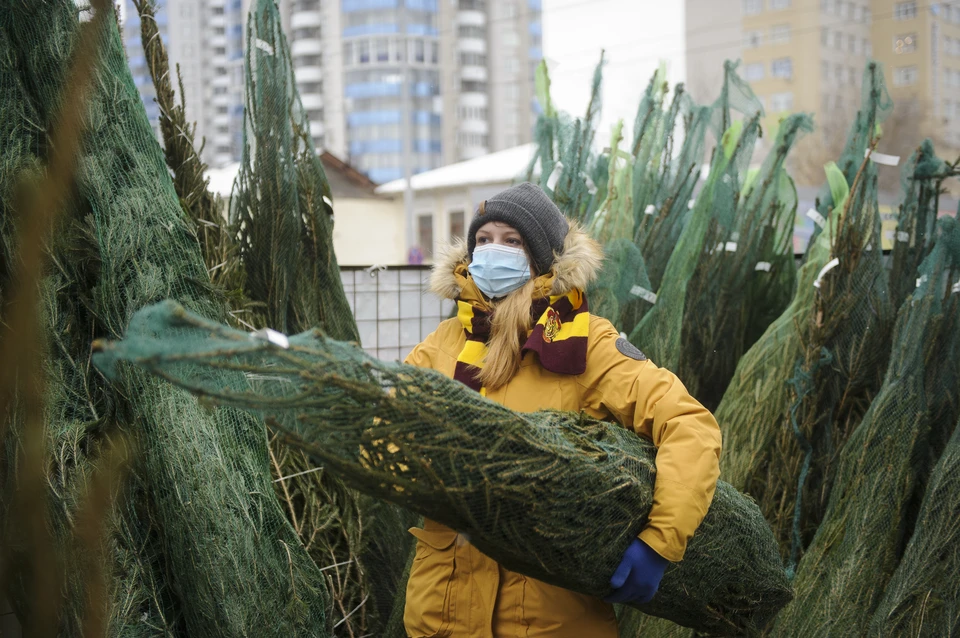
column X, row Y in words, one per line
column 523, row 337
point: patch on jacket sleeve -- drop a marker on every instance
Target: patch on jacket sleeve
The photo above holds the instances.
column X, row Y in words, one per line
column 627, row 349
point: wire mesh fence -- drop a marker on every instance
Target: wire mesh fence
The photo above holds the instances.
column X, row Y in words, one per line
column 394, row 307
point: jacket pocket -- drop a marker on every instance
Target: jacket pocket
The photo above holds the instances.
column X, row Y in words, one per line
column 430, row 602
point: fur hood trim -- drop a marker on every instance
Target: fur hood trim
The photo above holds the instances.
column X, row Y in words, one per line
column 576, row 267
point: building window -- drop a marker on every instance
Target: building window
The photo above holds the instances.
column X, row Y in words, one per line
column 348, row 52
column 752, row 39
column 752, row 7
column 456, row 225
column 851, row 44
column 510, row 39
column 472, row 86
column 383, row 50
column 419, row 52
column 780, row 34
column 778, row 5
column 511, row 65
column 425, row 235
column 906, row 43
column 837, row 40
column 363, row 52
column 753, row 72
column 867, row 15
column 825, row 36
column 782, row 68
column 434, row 52
column 905, row 75
column 858, row 13
column 306, row 33
column 840, row 74
column 905, row 11
column 780, row 102
column 471, row 31
column 473, row 59
column 511, row 93
column 867, row 47
column 824, row 71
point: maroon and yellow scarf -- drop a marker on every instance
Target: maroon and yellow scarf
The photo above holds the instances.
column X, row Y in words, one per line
column 559, row 336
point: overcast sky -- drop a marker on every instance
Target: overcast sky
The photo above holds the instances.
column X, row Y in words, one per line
column 637, row 35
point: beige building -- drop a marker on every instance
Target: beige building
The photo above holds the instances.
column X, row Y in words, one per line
column 809, row 55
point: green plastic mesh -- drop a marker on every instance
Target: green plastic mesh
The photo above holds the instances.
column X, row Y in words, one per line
column 921, row 179
column 745, row 271
column 841, row 578
column 522, row 487
column 659, row 333
column 923, row 597
column 205, row 536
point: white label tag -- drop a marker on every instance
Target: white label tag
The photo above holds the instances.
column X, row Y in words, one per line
column 903, row 237
column 883, row 158
column 730, row 247
column 830, row 265
column 555, row 175
column 643, row 293
column 690, row 204
column 870, row 246
column 263, row 46
column 816, row 217
column 956, row 288
column 650, row 210
column 272, row 336
column 591, row 187
column 765, row 266
column 920, row 280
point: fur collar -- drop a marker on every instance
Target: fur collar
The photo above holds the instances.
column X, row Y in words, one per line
column 576, row 267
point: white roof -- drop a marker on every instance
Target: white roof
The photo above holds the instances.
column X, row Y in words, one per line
column 502, row 166
column 221, row 179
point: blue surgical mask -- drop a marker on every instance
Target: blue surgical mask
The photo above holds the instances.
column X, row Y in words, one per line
column 499, row 270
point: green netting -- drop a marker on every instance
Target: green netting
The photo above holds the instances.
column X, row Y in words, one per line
column 857, row 547
column 921, row 179
column 662, row 216
column 735, row 96
column 923, row 597
column 744, row 272
column 659, row 333
column 875, row 107
column 522, row 487
column 281, row 201
column 205, row 535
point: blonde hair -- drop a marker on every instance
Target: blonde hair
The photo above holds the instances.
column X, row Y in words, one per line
column 508, row 331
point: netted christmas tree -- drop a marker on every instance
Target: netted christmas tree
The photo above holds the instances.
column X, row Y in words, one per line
column 659, row 333
column 204, row 547
column 523, row 487
column 856, row 549
column 802, row 388
column 923, row 596
column 744, row 273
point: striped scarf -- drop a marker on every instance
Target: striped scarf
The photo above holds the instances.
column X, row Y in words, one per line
column 559, row 336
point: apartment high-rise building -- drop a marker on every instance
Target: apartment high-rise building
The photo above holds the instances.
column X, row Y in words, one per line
column 809, row 55
column 470, row 66
column 205, row 39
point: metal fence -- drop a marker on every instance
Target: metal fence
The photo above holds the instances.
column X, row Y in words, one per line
column 394, row 307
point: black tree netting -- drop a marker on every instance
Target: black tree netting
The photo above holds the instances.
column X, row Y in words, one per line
column 923, row 596
column 879, row 477
column 525, row 488
column 204, row 546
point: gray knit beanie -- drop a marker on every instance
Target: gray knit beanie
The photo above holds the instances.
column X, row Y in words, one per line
column 528, row 209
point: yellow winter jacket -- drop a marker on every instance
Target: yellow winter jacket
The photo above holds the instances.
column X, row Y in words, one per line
column 456, row 591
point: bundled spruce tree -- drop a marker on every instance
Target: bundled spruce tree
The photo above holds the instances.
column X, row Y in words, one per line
column 856, row 549
column 213, row 552
column 743, row 273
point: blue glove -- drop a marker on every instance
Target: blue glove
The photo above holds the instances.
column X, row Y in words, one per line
column 638, row 576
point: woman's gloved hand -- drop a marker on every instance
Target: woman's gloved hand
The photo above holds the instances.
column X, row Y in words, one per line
column 638, row 576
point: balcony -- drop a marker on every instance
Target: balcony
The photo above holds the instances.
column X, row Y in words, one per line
column 472, row 18
column 479, row 100
column 303, row 19
column 311, row 101
column 306, row 47
column 474, row 73
column 472, row 45
column 309, row 74
column 474, row 126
